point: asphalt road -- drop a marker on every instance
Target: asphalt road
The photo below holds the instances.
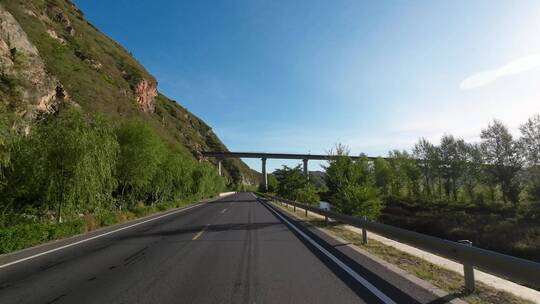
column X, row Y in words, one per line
column 234, row 250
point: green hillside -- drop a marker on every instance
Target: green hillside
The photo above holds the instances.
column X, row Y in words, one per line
column 51, row 55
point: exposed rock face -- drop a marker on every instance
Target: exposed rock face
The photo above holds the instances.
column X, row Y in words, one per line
column 34, row 91
column 146, row 92
column 59, row 16
column 56, row 37
column 66, row 45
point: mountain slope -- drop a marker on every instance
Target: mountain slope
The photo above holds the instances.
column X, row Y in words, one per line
column 50, row 55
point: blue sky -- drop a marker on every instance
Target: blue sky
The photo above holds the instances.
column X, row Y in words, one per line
column 299, row 76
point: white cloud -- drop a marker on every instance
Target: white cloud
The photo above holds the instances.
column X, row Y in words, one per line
column 513, row 67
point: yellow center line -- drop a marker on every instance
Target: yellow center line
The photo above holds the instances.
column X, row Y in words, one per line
column 200, row 233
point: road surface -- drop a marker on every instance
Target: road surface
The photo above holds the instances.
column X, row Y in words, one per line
column 234, row 250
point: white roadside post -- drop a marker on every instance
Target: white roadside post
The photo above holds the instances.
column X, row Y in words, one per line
column 364, row 233
column 468, row 271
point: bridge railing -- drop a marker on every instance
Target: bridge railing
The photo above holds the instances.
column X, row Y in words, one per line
column 515, row 269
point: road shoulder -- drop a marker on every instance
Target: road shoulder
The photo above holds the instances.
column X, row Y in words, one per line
column 445, row 281
column 420, row 290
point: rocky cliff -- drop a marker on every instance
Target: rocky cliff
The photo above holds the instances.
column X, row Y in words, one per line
column 28, row 90
column 50, row 54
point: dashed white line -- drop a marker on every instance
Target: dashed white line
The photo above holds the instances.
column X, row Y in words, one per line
column 95, row 237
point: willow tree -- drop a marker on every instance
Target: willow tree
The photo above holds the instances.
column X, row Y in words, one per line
column 67, row 163
column 141, row 153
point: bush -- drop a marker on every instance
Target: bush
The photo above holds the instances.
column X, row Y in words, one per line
column 163, row 207
column 307, row 194
column 359, row 200
column 352, row 186
column 107, row 218
column 31, row 234
column 529, row 211
column 62, row 230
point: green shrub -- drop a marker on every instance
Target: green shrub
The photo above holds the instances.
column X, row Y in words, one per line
column 107, row 218
column 163, row 207
column 360, row 200
column 27, row 235
column 141, row 153
column 62, row 230
column 74, row 164
column 307, row 194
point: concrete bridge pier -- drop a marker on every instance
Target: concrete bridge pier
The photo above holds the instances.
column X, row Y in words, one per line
column 265, row 176
column 306, row 172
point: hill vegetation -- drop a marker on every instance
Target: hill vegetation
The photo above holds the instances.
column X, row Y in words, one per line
column 86, row 139
column 75, row 172
column 51, row 55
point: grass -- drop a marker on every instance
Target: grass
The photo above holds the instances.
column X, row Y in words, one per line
column 26, row 235
column 447, row 280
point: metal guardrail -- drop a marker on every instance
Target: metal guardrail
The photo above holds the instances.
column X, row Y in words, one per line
column 514, row 269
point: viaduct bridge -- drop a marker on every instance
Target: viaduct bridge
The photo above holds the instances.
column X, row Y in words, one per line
column 264, row 156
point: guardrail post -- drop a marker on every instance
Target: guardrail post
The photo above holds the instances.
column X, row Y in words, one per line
column 364, row 233
column 306, row 212
column 468, row 271
column 294, row 208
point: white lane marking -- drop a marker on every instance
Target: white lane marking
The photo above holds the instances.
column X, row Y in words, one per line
column 343, row 266
column 223, row 211
column 95, row 237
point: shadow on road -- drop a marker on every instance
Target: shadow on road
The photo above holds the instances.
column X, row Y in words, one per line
column 374, row 278
column 210, row 228
column 228, row 201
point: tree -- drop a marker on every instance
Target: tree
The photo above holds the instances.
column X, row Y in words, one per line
column 530, row 147
column 501, row 153
column 383, row 175
column 359, row 200
column 141, row 152
column 306, row 194
column 339, row 172
column 453, row 158
column 67, row 163
column 272, row 184
column 206, row 181
column 473, row 169
column 530, row 140
column 292, row 184
column 406, row 174
column 173, row 178
column 429, row 163
column 352, row 187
